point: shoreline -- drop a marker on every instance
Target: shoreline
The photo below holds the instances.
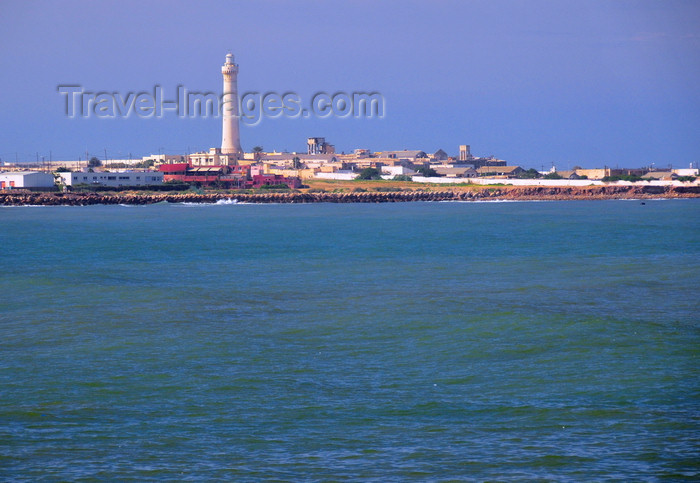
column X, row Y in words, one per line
column 500, row 193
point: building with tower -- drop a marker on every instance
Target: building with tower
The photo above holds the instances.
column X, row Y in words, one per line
column 230, row 139
column 319, row 146
column 230, row 151
column 465, row 152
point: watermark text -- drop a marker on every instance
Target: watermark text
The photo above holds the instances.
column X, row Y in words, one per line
column 251, row 107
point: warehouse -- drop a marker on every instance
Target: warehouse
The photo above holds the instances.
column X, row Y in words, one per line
column 26, row 180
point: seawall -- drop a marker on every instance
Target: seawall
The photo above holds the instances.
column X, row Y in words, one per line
column 464, row 194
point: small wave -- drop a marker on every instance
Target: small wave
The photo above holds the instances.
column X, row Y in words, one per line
column 493, row 201
column 204, row 203
column 27, row 206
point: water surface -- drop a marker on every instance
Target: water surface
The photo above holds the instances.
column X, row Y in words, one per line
column 428, row 341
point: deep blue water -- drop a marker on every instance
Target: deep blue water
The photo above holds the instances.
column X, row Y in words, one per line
column 413, row 341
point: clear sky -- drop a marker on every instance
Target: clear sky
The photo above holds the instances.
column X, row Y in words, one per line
column 535, row 82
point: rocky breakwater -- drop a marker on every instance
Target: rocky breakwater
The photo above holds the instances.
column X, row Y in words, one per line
column 462, row 194
column 605, row 192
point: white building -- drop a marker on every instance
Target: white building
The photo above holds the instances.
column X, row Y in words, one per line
column 687, row 172
column 397, row 171
column 213, row 158
column 26, row 179
column 163, row 159
column 128, row 178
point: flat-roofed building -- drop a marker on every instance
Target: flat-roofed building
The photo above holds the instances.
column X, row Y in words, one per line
column 116, row 179
column 660, row 175
column 596, row 173
column 397, row 171
column 687, row 172
column 26, row 179
column 213, row 157
column 410, row 155
column 502, row 171
column 159, row 159
column 456, row 171
column 568, row 174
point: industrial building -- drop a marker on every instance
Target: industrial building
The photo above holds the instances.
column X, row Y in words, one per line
column 223, row 175
column 239, row 176
column 319, row 146
column 26, row 180
column 128, row 178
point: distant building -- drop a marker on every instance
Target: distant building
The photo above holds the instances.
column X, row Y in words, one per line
column 238, row 176
column 502, row 171
column 593, row 174
column 686, row 172
column 440, row 155
column 408, row 155
column 490, row 161
column 456, row 171
column 397, row 170
column 362, row 153
column 660, row 175
column 26, row 179
column 568, row 174
column 164, row 158
column 319, row 146
column 213, row 157
column 225, row 176
column 299, row 158
column 465, row 152
column 260, row 180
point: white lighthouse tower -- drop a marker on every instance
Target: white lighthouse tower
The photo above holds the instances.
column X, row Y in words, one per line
column 230, row 139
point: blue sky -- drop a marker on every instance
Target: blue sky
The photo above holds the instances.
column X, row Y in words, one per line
column 579, row 82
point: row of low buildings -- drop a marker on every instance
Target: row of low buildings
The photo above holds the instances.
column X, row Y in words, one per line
column 42, row 180
column 322, row 161
column 232, row 177
column 241, row 176
column 252, row 170
column 258, row 168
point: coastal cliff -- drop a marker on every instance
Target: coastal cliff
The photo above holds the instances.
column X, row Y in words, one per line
column 465, row 194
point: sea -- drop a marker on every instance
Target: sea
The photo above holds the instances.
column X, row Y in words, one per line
column 456, row 341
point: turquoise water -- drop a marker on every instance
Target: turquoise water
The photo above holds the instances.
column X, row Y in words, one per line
column 412, row 341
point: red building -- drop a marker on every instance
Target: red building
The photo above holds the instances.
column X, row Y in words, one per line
column 223, row 176
column 275, row 179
